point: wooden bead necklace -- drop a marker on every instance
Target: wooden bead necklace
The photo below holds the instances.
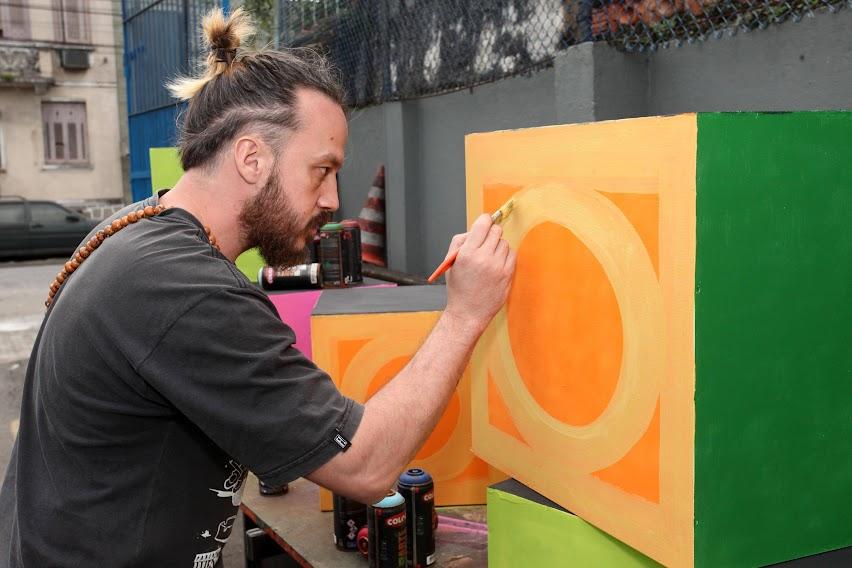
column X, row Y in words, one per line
column 93, row 243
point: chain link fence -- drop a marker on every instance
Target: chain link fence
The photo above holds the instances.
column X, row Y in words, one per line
column 401, row 49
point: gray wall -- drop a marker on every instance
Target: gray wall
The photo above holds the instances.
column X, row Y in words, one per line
column 421, row 143
column 792, row 66
column 364, row 152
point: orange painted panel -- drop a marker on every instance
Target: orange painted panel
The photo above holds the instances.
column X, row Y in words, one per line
column 563, row 297
column 362, row 353
column 582, row 385
column 638, row 472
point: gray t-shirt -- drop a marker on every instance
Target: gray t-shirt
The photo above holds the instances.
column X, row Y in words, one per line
column 160, row 376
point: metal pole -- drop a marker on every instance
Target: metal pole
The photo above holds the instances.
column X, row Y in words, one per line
column 276, row 24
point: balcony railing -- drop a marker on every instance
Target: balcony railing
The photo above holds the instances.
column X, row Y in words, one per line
column 19, row 68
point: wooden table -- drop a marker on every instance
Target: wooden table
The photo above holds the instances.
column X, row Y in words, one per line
column 295, row 522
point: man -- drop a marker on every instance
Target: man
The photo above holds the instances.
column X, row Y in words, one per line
column 161, row 375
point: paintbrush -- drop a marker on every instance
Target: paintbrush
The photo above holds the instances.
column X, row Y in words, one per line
column 497, row 217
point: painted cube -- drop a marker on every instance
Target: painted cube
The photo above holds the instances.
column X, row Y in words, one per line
column 673, row 363
column 363, row 338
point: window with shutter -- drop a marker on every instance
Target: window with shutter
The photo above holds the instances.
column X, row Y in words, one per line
column 64, row 133
column 75, row 21
column 15, row 20
column 2, row 146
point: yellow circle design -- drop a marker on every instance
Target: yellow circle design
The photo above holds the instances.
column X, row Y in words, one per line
column 604, row 229
column 444, row 464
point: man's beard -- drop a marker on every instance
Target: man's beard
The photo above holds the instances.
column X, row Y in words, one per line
column 269, row 222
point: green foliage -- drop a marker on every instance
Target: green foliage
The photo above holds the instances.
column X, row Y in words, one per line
column 263, row 13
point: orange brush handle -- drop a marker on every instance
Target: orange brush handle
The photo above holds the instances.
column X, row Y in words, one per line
column 443, row 267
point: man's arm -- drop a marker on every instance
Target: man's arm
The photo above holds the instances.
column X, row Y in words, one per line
column 398, row 419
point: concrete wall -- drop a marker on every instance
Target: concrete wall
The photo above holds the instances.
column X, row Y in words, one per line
column 792, row 66
column 364, row 153
column 421, row 143
column 25, row 170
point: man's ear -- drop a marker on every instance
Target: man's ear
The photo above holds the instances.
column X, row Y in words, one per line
column 252, row 159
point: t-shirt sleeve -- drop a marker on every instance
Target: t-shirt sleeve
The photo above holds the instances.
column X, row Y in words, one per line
column 228, row 364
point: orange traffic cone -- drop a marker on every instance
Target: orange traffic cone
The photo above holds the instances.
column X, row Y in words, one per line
column 372, row 222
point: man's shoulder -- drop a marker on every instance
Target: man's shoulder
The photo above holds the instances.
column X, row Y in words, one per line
column 170, row 250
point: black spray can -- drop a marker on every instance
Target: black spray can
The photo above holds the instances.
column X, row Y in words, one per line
column 349, row 518
column 331, row 256
column 418, row 490
column 297, row 277
column 386, row 530
column 351, row 239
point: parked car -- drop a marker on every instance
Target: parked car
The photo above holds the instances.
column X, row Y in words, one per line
column 39, row 228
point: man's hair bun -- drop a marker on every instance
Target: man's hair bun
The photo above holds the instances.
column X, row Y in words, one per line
column 222, row 37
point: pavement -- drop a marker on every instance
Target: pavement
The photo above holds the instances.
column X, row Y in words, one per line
column 23, row 289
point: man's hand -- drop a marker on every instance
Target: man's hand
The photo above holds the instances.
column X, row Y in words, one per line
column 479, row 281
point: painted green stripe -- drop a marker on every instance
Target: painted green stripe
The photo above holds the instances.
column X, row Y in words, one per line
column 773, row 458
column 522, row 532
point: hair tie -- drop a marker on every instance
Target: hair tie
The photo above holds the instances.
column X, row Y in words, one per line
column 224, row 55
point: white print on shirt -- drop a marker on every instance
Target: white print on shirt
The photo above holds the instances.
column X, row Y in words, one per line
column 233, row 484
column 206, row 534
column 207, row 559
column 225, row 529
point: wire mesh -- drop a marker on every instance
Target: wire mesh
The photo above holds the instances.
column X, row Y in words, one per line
column 639, row 25
column 401, row 49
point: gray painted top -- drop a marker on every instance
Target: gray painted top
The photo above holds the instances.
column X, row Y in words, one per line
column 382, row 300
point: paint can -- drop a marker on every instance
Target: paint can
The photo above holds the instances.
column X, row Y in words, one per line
column 296, row 277
column 418, row 490
column 313, row 249
column 352, row 249
column 331, row 256
column 349, row 518
column 268, row 490
column 386, row 532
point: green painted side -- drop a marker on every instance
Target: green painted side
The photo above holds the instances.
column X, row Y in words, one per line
column 165, row 168
column 773, row 440
column 250, row 263
column 165, row 172
column 524, row 533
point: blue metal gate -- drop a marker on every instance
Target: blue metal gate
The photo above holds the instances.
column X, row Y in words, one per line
column 161, row 41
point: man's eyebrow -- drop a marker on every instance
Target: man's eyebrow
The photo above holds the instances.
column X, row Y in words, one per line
column 332, row 158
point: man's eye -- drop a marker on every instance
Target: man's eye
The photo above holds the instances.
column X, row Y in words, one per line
column 324, row 170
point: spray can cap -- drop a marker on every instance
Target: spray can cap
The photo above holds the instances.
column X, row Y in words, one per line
column 392, row 499
column 415, row 476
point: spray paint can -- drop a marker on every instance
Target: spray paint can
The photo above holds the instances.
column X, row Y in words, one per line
column 349, row 518
column 418, row 490
column 331, row 255
column 296, row 277
column 387, row 533
column 352, row 249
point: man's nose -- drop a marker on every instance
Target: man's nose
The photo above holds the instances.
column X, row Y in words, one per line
column 328, row 199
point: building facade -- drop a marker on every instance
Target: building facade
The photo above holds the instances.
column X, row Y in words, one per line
column 61, row 118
